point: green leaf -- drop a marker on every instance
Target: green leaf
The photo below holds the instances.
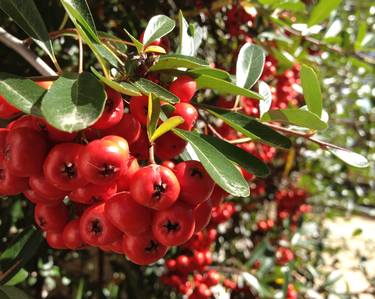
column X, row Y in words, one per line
column 147, row 87
column 114, row 41
column 74, row 102
column 19, row 253
column 358, row 231
column 22, row 93
column 157, row 27
column 9, row 292
column 166, row 126
column 249, row 66
column 212, row 72
column 224, row 87
column 26, row 15
column 121, row 87
column 322, row 10
column 265, row 92
column 250, row 127
column 239, row 156
column 137, row 44
column 221, row 170
column 349, row 157
column 174, row 61
column 152, row 114
column 19, row 277
column 301, row 118
column 311, row 90
column 189, row 41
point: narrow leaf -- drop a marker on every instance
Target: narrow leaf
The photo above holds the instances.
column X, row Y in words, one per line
column 155, row 49
column 221, row 170
column 250, row 127
column 322, row 10
column 19, row 277
column 147, row 87
column 74, row 102
column 349, row 157
column 157, row 27
column 311, row 90
column 212, row 72
column 189, row 40
column 250, row 63
column 166, row 126
column 265, row 92
column 239, row 156
column 121, row 87
column 224, row 87
column 152, row 114
column 301, row 118
column 26, row 15
column 9, row 292
column 174, row 61
column 137, row 44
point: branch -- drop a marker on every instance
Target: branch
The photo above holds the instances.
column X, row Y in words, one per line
column 17, row 45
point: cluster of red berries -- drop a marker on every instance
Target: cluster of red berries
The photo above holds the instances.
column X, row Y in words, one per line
column 237, row 17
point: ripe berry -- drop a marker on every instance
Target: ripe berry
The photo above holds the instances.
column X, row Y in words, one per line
column 116, row 246
column 196, row 184
column 24, row 152
column 128, row 128
column 23, row 121
column 37, row 198
column 212, row 278
column 42, row 187
column 161, row 42
column 139, row 109
column 92, row 193
column 184, row 88
column 95, row 228
column 139, row 149
column 123, row 183
column 155, row 186
column 175, row 225
column 169, row 146
column 55, row 240
column 51, row 218
column 202, row 215
column 169, row 164
column 10, row 184
column 102, row 162
column 72, row 236
column 127, row 215
column 6, row 109
column 54, row 134
column 113, row 111
column 60, row 167
column 218, row 195
column 143, row 249
column 188, row 113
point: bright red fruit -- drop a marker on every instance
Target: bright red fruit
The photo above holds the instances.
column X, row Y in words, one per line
column 143, row 249
column 139, row 109
column 202, row 215
column 92, row 193
column 188, row 113
column 155, row 186
column 174, row 226
column 37, row 198
column 60, row 167
column 51, row 218
column 72, row 236
column 169, row 146
column 102, row 162
column 218, row 195
column 42, row 187
column 139, row 149
column 55, row 240
column 121, row 142
column 127, row 215
column 10, row 184
column 184, row 87
column 3, row 136
column 161, row 42
column 23, row 121
column 123, row 183
column 54, row 134
column 117, row 246
column 169, row 164
column 113, row 110
column 24, row 152
column 6, row 109
column 95, row 228
column 128, row 128
column 196, row 184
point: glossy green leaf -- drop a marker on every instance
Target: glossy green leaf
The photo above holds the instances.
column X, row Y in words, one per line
column 297, row 117
column 174, row 61
column 74, row 102
column 137, row 44
column 121, row 87
column 9, row 292
column 322, row 11
column 157, row 27
column 224, row 87
column 114, row 41
column 221, row 170
column 166, row 126
column 212, row 72
column 189, row 40
column 19, row 277
column 26, row 15
column 153, row 114
column 265, row 92
column 239, row 156
column 349, row 157
column 250, row 127
column 249, row 67
column 21, row 92
column 311, row 90
column 16, row 256
column 147, row 86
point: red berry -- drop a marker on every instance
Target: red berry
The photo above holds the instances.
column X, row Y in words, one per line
column 92, row 193
column 139, row 109
column 143, row 249
column 6, row 109
column 55, row 240
column 128, row 128
column 72, row 236
column 51, row 218
column 123, row 183
column 54, row 134
column 202, row 215
column 155, row 186
column 42, row 187
column 127, row 215
column 139, row 149
column 188, row 113
column 168, row 146
column 10, row 184
column 37, row 198
column 116, row 246
column 218, row 195
column 175, row 225
column 184, row 88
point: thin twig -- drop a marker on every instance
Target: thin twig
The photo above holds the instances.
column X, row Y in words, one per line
column 17, row 45
column 151, row 154
column 80, row 61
